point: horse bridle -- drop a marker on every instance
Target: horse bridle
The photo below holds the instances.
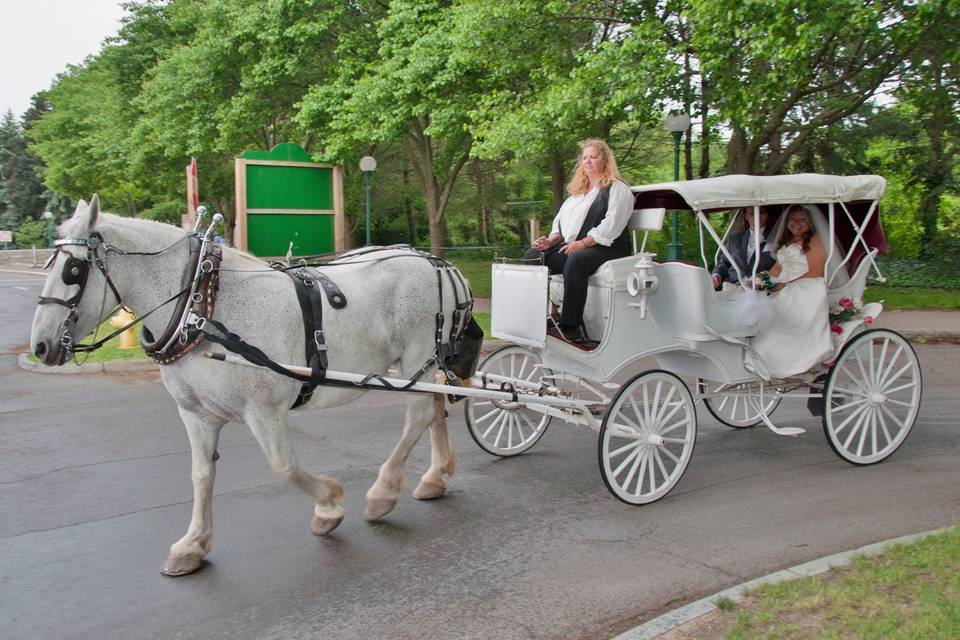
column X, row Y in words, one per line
column 75, row 272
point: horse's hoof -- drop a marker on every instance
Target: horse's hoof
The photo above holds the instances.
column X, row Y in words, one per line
column 378, row 507
column 429, row 491
column 322, row 526
column 181, row 565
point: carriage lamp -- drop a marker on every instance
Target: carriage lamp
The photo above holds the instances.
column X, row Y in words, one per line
column 368, row 165
column 676, row 124
column 642, row 281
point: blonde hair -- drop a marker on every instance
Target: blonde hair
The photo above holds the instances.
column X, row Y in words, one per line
column 580, row 183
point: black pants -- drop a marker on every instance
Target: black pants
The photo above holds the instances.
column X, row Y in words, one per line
column 576, row 270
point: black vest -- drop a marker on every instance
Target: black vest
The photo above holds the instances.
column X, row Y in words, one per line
column 596, row 214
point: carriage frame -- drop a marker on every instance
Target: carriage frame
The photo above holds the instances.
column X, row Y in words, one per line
column 868, row 391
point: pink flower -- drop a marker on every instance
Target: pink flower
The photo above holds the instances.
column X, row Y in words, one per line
column 868, row 319
column 846, row 303
column 836, row 328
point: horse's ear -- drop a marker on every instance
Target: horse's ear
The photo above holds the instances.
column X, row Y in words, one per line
column 93, row 211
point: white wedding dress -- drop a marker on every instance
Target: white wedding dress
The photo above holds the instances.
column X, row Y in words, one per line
column 794, row 334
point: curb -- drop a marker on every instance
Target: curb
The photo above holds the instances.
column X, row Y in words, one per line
column 688, row 613
column 116, row 366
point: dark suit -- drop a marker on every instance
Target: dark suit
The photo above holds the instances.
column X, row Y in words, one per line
column 739, row 245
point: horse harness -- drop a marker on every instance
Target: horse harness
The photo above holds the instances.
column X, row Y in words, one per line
column 196, row 299
column 191, row 321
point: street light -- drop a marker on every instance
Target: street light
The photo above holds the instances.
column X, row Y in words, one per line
column 676, row 124
column 48, row 216
column 367, row 164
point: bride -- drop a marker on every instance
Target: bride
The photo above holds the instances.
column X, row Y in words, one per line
column 797, row 334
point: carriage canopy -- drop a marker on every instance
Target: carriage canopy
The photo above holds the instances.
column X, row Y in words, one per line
column 856, row 193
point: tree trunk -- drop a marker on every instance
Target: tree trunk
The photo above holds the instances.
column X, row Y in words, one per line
column 408, row 206
column 483, row 208
column 704, row 170
column 558, row 179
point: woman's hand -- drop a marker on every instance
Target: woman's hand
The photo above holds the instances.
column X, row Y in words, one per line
column 545, row 242
column 574, row 246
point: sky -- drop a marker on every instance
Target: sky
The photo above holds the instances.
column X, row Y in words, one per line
column 39, row 38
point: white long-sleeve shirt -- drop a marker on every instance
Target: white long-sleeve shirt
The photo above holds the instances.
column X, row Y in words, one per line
column 574, row 210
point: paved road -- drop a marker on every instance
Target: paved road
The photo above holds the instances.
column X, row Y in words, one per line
column 95, row 485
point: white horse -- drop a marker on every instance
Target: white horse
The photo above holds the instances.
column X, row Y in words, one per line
column 390, row 318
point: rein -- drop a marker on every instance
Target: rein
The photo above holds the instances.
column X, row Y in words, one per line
column 76, row 271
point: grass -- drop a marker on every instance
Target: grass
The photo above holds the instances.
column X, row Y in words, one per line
column 109, row 352
column 913, row 298
column 908, row 591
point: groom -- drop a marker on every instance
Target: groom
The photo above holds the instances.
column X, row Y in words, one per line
column 742, row 247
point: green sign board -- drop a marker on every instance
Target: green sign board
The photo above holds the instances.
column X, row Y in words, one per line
column 282, row 198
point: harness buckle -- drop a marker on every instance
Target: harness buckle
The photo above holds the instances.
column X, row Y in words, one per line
column 318, row 340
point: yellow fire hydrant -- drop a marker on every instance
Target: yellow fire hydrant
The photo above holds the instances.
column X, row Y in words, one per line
column 128, row 339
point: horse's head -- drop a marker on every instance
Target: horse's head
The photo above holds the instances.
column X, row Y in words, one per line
column 75, row 298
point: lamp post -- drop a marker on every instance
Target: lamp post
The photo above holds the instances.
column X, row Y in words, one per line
column 48, row 216
column 368, row 164
column 676, row 124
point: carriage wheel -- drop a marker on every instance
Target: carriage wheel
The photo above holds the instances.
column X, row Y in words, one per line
column 647, row 437
column 872, row 397
column 507, row 428
column 740, row 409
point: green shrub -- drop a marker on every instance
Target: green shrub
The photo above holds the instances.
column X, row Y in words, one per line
column 30, row 233
column 901, row 272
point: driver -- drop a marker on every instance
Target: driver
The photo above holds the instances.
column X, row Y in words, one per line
column 589, row 229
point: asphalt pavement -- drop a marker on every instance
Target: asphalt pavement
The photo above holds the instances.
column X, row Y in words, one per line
column 95, row 486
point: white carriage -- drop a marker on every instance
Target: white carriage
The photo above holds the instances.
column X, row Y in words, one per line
column 869, row 387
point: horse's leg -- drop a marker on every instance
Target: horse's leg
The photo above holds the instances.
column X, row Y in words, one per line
column 383, row 495
column 273, row 434
column 186, row 554
column 441, row 454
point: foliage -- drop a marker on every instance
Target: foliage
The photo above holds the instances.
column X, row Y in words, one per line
column 944, row 274
column 473, row 106
column 169, row 211
column 31, row 233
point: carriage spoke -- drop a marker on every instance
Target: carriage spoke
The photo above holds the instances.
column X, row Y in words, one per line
column 642, row 474
column 651, row 469
column 864, row 430
column 636, row 414
column 893, row 360
column 624, row 431
column 496, row 421
column 900, row 402
column 895, row 376
column 631, row 457
column 848, row 405
column 676, row 407
column 848, row 419
column 670, row 454
column 837, row 389
column 675, row 425
column 881, row 360
column 488, row 414
column 855, row 429
column 896, row 420
column 883, row 425
column 909, row 385
column 873, row 430
column 637, row 459
column 630, row 445
column 660, row 465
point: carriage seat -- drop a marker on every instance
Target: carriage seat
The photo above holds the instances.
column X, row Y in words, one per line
column 855, row 286
column 682, row 304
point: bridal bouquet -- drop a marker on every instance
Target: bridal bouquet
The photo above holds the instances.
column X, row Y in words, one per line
column 763, row 282
column 844, row 311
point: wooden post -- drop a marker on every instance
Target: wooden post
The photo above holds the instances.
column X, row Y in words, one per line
column 534, row 229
